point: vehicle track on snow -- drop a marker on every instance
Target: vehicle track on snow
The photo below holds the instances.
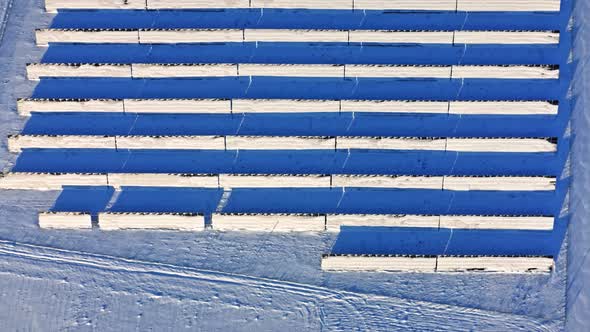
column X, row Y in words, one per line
column 334, row 309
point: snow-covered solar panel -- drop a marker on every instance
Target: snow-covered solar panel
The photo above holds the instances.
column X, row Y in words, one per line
column 305, row 222
column 389, row 71
column 38, row 70
column 506, row 37
column 386, row 181
column 394, row 106
column 443, row 5
column 503, row 108
column 505, row 72
column 465, row 183
column 119, row 180
column 285, row 106
column 507, row 5
column 501, row 145
column 50, row 181
column 526, row 264
column 151, row 221
column 297, row 36
column 54, row 5
column 346, row 263
column 54, row 181
column 335, row 221
column 27, row 106
column 18, row 142
column 196, row 4
column 65, row 220
column 398, row 37
column 182, row 106
column 274, row 181
column 427, row 5
column 190, row 36
column 302, row 4
column 138, row 70
column 391, row 143
column 438, row 264
column 251, row 69
column 522, row 183
column 268, row 222
column 497, row 222
column 171, row 142
column 46, row 36
column 280, row 143
column 148, row 70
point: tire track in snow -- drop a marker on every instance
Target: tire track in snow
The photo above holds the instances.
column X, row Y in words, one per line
column 4, row 20
column 340, row 309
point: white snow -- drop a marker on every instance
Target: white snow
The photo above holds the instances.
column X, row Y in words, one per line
column 85, row 291
column 578, row 282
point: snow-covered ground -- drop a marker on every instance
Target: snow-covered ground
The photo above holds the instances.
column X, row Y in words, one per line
column 578, row 288
column 59, row 289
column 92, row 280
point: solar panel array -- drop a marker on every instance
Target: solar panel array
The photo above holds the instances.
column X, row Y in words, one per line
column 304, row 116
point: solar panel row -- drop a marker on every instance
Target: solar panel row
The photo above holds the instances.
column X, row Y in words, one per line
column 286, row 222
column 439, row 5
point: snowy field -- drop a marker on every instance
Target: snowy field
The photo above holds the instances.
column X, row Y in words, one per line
column 217, row 281
column 578, row 288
